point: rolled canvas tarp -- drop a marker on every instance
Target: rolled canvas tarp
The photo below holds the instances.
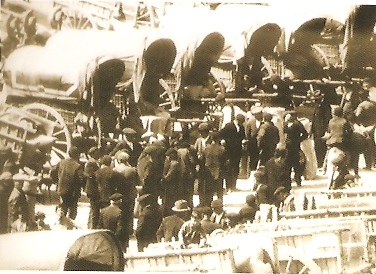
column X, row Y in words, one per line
column 61, row 250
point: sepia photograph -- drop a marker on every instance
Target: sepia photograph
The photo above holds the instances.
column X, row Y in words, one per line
column 184, row 136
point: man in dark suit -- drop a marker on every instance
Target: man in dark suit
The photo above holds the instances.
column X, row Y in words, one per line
column 267, row 138
column 295, row 133
column 126, row 182
column 171, row 225
column 200, row 147
column 70, row 180
column 149, row 221
column 252, row 126
column 214, row 162
column 130, row 145
column 105, row 181
column 111, row 218
column 234, row 134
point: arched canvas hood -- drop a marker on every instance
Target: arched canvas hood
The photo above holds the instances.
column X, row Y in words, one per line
column 359, row 44
column 156, row 61
column 195, row 64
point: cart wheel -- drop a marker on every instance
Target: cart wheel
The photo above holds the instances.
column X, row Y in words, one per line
column 76, row 19
column 298, row 262
column 58, row 129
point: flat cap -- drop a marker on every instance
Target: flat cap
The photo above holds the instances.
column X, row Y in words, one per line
column 203, row 126
column 256, row 110
column 116, row 197
column 279, row 190
column 129, row 131
column 217, row 203
column 220, row 97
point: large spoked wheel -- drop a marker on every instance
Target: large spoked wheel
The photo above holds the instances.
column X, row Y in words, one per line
column 298, row 262
column 71, row 18
column 55, row 127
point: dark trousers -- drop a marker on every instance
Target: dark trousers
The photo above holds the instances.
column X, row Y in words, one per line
column 69, row 205
column 94, row 213
column 292, row 162
column 232, row 172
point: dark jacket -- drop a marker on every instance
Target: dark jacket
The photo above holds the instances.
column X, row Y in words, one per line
column 106, row 183
column 148, row 223
column 70, row 175
column 111, row 218
column 169, row 228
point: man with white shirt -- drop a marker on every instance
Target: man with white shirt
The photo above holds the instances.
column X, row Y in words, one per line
column 228, row 111
column 219, row 215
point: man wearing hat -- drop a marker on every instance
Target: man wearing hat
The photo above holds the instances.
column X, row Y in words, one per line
column 130, row 145
column 247, row 211
column 284, row 200
column 252, row 126
column 126, row 180
column 267, row 138
column 18, row 208
column 215, row 158
column 199, row 147
column 111, row 218
column 172, row 181
column 234, row 135
column 6, row 187
column 70, row 174
column 295, row 134
column 219, row 215
column 170, row 226
column 149, row 220
column 191, row 231
column 228, row 111
column 40, row 223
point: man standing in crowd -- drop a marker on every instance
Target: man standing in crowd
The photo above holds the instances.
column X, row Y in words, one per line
column 219, row 215
column 105, row 181
column 111, row 218
column 170, row 226
column 234, row 135
column 337, row 139
column 251, row 128
column 267, row 138
column 200, row 147
column 6, row 187
column 149, row 221
column 70, row 181
column 126, row 181
column 172, row 181
column 214, row 162
column 18, row 209
column 295, row 133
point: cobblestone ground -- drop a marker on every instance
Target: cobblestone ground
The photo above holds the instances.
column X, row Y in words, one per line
column 232, row 201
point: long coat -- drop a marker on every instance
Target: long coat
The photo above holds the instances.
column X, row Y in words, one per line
column 267, row 140
column 148, row 223
column 106, row 184
column 69, row 178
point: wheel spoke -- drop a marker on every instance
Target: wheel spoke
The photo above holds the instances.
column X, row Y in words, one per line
column 303, row 269
column 58, row 133
column 58, row 151
column 289, row 264
column 86, row 24
column 61, row 143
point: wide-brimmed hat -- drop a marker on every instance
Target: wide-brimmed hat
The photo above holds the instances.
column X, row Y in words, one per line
column 180, row 206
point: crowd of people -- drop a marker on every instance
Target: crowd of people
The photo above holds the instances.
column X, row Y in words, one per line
column 155, row 180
